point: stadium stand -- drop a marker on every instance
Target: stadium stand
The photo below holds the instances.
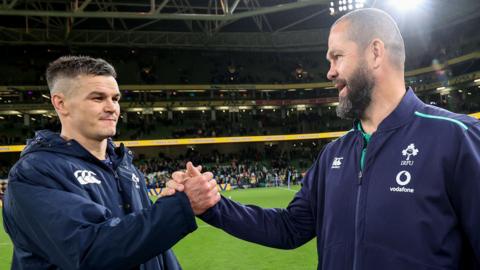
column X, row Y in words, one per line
column 248, row 167
column 217, row 79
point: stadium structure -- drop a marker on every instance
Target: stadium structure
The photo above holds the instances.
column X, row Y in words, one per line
column 238, row 85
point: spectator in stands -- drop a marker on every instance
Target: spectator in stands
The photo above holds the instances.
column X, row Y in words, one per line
column 3, row 187
column 300, row 74
column 245, row 168
column 147, row 74
column 76, row 201
column 3, row 172
column 232, row 74
column 391, row 193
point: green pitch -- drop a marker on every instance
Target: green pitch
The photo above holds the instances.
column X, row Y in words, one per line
column 209, row 248
column 6, row 248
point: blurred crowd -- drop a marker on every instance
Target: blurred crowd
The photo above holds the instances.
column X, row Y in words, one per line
column 193, row 125
column 3, row 172
column 247, row 168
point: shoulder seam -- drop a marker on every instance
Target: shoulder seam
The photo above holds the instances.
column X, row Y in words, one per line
column 431, row 116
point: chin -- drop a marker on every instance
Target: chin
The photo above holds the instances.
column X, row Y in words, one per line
column 111, row 134
column 109, row 130
column 105, row 134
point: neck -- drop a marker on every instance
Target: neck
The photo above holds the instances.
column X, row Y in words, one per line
column 95, row 147
column 384, row 101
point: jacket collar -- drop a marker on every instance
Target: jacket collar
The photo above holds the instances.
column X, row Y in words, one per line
column 401, row 115
column 46, row 140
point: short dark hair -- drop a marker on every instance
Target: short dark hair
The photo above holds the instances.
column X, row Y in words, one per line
column 369, row 23
column 73, row 66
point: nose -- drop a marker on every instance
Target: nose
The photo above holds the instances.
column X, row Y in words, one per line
column 332, row 73
column 110, row 105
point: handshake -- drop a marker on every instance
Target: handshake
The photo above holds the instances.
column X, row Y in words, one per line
column 200, row 188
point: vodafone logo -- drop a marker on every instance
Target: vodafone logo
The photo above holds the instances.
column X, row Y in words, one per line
column 403, row 178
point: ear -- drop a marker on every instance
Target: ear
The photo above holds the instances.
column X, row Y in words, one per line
column 378, row 52
column 58, row 102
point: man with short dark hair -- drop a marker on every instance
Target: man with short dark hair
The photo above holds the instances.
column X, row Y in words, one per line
column 76, row 201
column 399, row 191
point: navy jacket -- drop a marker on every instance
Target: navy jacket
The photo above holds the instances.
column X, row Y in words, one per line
column 415, row 205
column 65, row 209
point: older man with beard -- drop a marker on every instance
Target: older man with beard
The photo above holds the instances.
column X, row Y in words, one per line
column 399, row 191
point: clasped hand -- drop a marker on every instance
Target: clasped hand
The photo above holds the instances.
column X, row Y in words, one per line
column 200, row 188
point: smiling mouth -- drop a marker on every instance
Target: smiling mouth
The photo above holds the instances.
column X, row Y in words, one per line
column 342, row 88
column 340, row 85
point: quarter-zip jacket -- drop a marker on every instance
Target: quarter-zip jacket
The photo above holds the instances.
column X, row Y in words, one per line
column 65, row 209
column 415, row 205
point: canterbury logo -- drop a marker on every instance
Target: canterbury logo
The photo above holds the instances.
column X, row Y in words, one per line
column 337, row 162
column 135, row 180
column 86, row 177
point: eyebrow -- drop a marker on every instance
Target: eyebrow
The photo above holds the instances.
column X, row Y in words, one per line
column 96, row 93
column 330, row 53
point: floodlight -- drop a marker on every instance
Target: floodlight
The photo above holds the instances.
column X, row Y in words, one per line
column 406, row 4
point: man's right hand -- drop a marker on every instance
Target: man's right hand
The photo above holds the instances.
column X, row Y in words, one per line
column 201, row 189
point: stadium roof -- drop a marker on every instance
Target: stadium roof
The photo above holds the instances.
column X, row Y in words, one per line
column 212, row 24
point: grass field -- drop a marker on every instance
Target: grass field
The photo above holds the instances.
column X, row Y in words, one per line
column 6, row 248
column 211, row 249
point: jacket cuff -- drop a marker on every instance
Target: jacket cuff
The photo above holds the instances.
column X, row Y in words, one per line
column 211, row 213
column 191, row 224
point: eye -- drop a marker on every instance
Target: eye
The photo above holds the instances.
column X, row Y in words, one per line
column 98, row 98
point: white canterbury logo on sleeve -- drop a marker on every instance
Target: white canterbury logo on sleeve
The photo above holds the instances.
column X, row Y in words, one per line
column 135, row 180
column 86, row 177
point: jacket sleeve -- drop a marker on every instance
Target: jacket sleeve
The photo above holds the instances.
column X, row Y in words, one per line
column 73, row 232
column 279, row 228
column 466, row 187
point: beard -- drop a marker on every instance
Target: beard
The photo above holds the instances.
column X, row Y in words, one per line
column 359, row 94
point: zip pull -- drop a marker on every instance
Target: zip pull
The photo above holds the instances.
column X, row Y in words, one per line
column 118, row 181
column 360, row 175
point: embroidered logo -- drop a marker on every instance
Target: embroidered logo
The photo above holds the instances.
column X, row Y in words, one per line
column 409, row 152
column 86, row 177
column 337, row 162
column 403, row 178
column 135, row 180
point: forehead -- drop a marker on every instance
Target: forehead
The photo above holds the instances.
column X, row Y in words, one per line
column 338, row 38
column 90, row 83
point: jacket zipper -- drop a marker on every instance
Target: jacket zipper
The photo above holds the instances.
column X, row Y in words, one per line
column 357, row 210
column 357, row 204
column 114, row 172
column 117, row 178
